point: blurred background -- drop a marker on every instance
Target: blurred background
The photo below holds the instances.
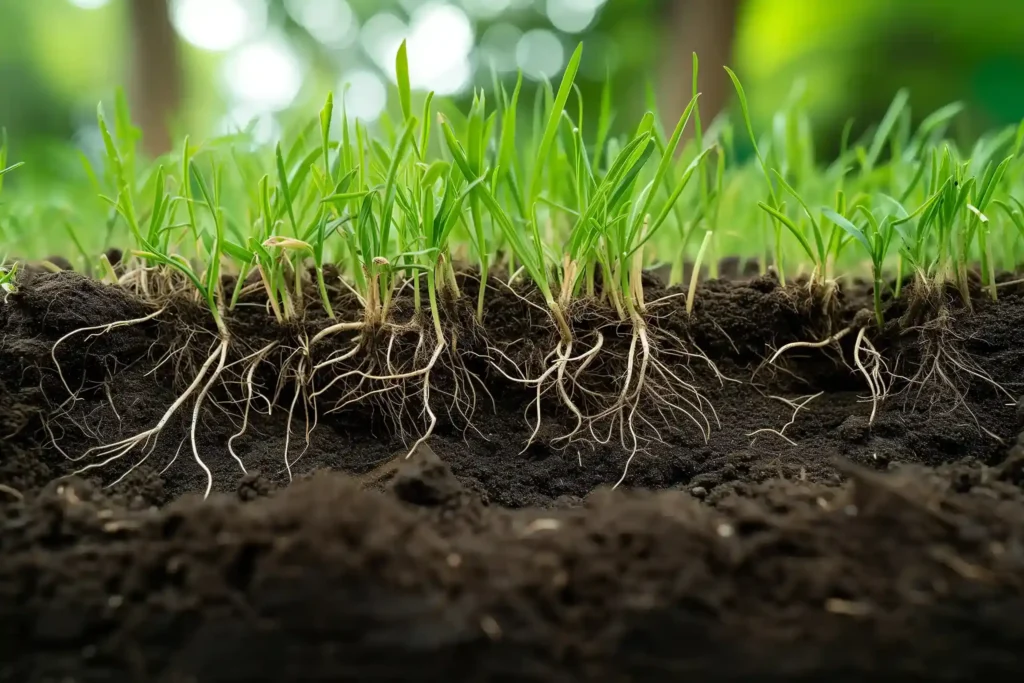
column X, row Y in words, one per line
column 214, row 66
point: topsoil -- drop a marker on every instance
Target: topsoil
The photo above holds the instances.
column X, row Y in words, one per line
column 830, row 549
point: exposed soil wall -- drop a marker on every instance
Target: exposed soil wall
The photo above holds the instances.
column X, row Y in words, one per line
column 832, row 548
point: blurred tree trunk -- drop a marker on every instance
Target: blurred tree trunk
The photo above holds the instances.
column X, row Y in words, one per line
column 155, row 73
column 707, row 27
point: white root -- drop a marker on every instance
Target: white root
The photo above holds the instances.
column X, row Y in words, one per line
column 810, row 345
column 288, row 427
column 181, row 444
column 222, row 357
column 307, row 406
column 103, row 329
column 464, row 393
column 259, row 355
column 351, row 353
column 394, row 379
column 12, row 492
column 873, row 371
column 338, row 327
column 646, row 379
column 117, row 450
column 426, row 398
column 110, row 400
column 946, row 365
column 667, row 392
column 346, row 401
column 562, row 353
column 564, row 395
column 215, row 366
column 640, row 331
column 874, row 378
column 797, row 405
column 589, row 356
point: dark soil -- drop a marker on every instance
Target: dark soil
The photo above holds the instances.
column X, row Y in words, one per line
column 840, row 550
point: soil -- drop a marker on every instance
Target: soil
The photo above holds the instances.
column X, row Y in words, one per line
column 832, row 548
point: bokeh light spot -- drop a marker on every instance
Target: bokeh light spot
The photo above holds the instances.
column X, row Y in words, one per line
column 266, row 74
column 540, row 54
column 380, row 37
column 89, row 4
column 572, row 16
column 365, row 95
column 331, row 22
column 486, row 9
column 218, row 25
column 498, row 46
column 440, row 43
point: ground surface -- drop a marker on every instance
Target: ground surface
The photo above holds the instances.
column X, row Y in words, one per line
column 842, row 551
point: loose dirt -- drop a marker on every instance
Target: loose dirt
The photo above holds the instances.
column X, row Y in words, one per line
column 827, row 549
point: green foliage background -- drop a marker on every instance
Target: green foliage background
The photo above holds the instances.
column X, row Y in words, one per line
column 57, row 60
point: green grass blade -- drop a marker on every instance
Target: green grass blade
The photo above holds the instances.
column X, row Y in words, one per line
column 548, row 137
column 12, row 167
column 325, row 133
column 793, row 228
column 402, row 71
column 885, row 128
column 849, row 228
column 391, row 183
column 745, row 109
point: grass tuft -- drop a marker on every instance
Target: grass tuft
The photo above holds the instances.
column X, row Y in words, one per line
column 529, row 199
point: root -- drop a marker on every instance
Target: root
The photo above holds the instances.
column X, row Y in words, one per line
column 148, row 439
column 648, row 383
column 376, row 379
column 222, row 357
column 563, row 394
column 810, row 345
column 426, row 398
column 874, row 371
column 653, row 383
column 639, row 332
column 334, row 329
column 657, row 385
column 463, row 396
column 300, row 390
column 875, row 377
column 12, row 492
column 946, row 368
column 110, row 400
column 364, row 371
column 97, row 330
column 174, row 459
column 258, row 356
column 797, row 405
column 562, row 353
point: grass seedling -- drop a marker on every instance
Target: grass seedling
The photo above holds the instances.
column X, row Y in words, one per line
column 8, row 280
column 357, row 249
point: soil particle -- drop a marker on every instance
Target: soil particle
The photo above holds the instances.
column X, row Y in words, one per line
column 854, row 429
column 254, row 485
column 891, row 575
column 426, row 481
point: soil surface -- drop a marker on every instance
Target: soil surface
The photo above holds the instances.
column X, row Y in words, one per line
column 799, row 539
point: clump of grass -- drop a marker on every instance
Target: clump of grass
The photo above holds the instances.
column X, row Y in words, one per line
column 900, row 202
column 564, row 216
